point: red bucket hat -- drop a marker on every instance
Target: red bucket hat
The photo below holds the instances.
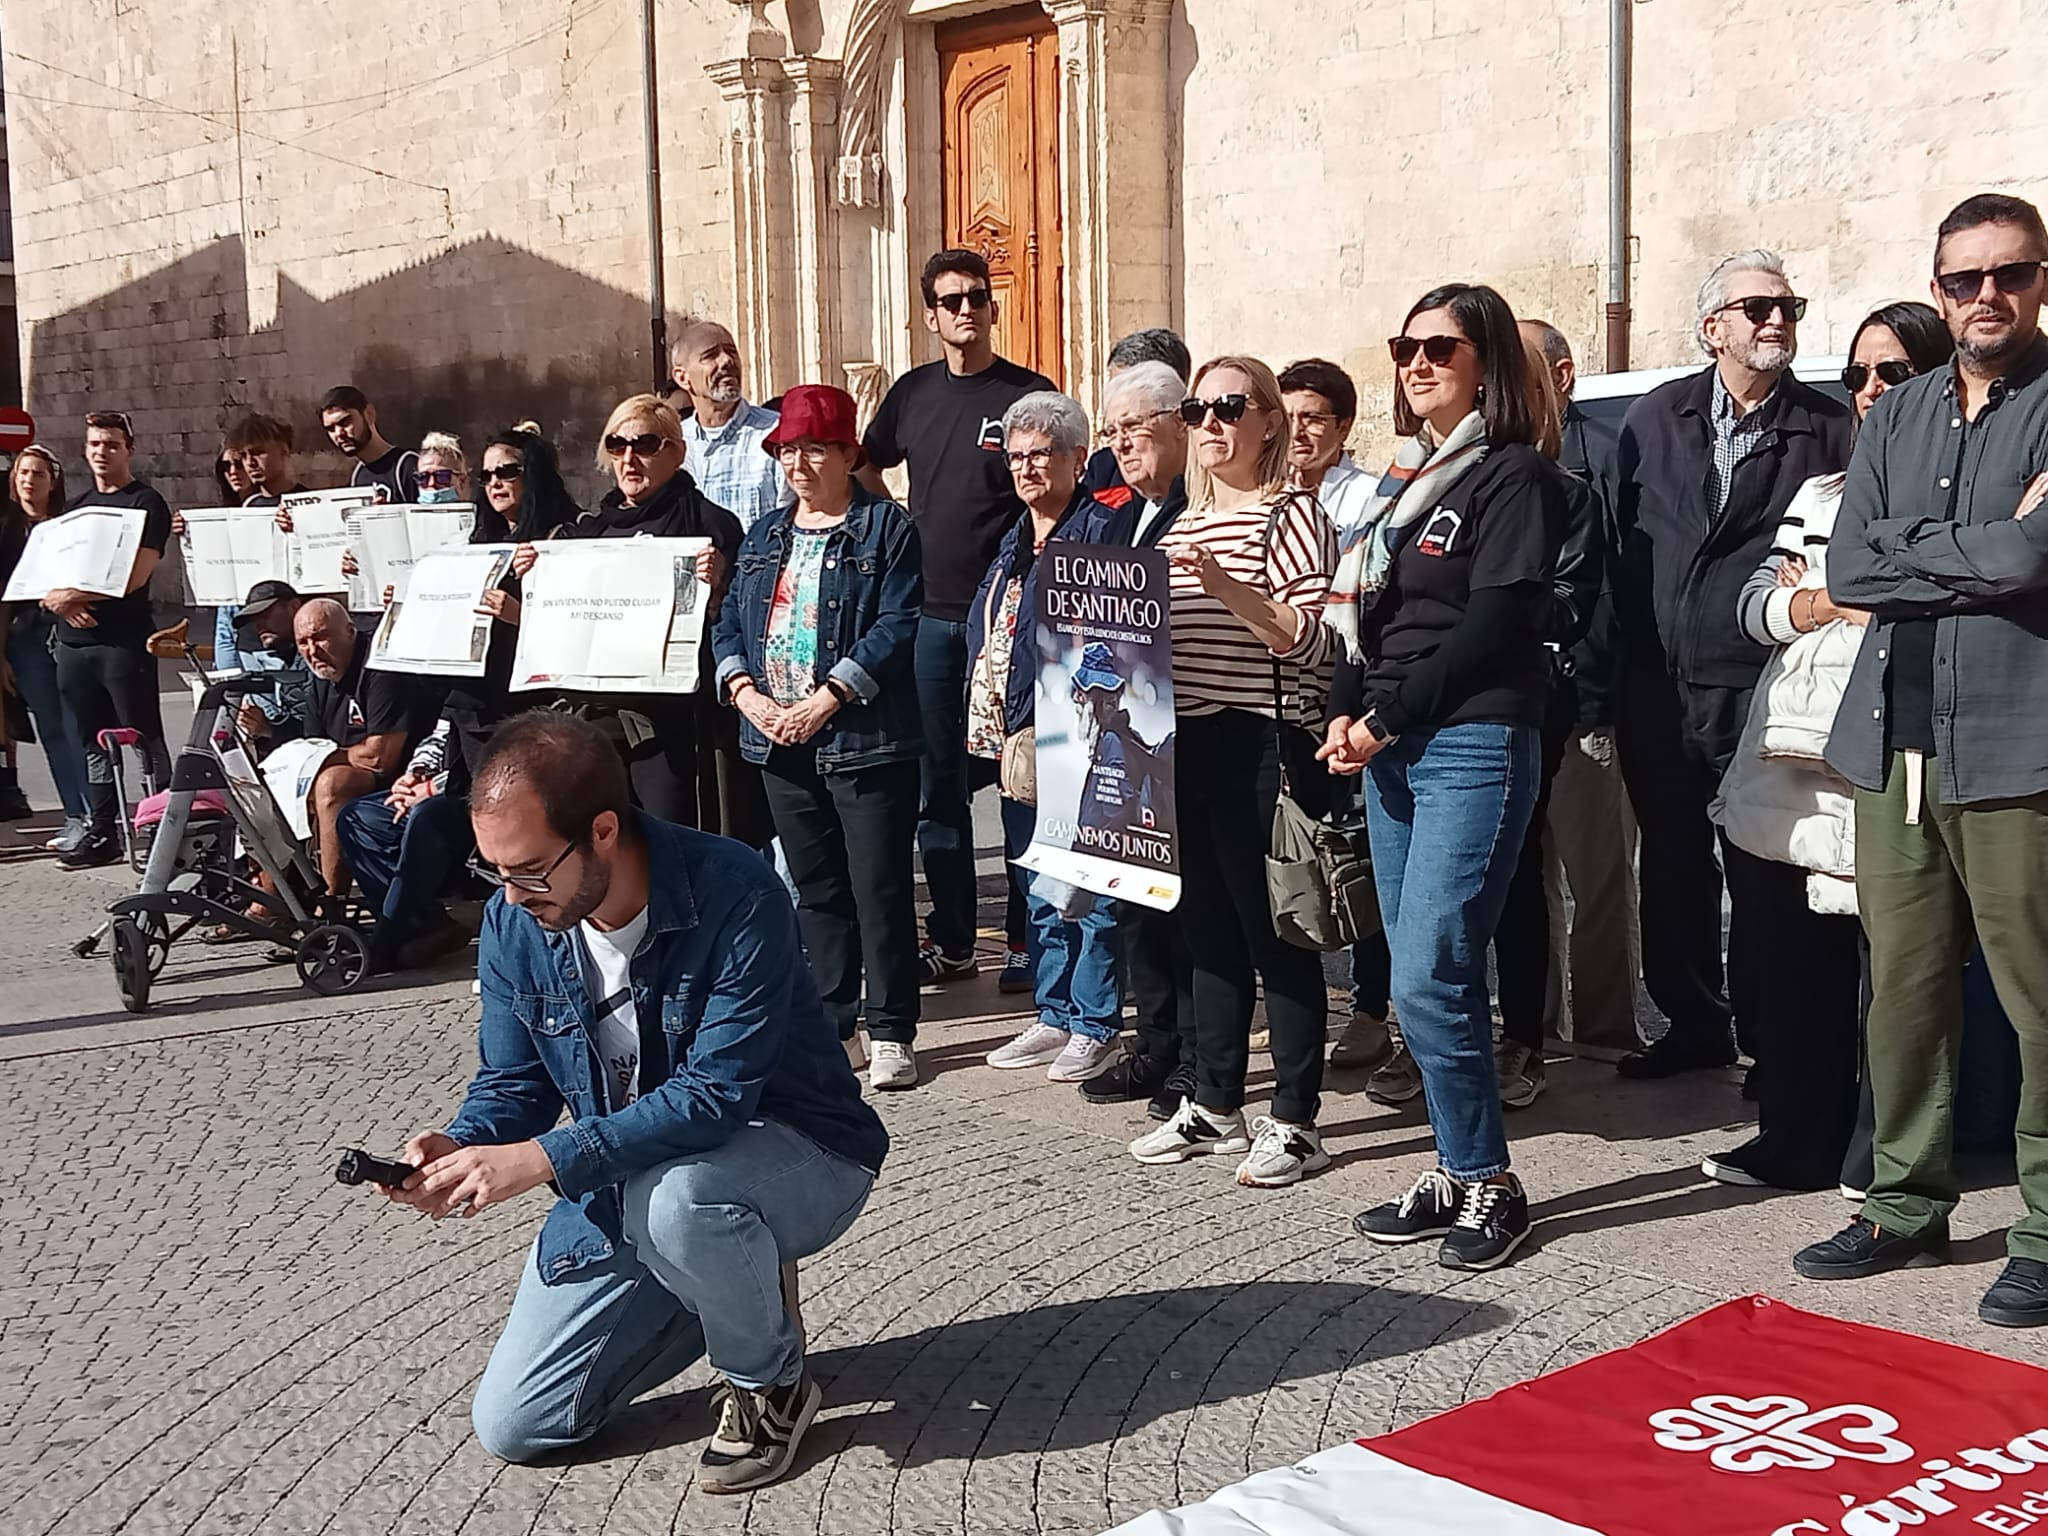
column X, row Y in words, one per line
column 820, row 412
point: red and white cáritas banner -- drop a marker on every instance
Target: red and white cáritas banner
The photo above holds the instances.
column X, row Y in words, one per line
column 1753, row 1419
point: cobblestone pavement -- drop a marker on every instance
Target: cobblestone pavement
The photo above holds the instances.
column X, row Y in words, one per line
column 1025, row 1333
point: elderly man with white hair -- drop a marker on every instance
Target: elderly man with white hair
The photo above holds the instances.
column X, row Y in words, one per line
column 1708, row 464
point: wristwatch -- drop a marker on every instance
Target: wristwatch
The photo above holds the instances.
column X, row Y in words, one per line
column 839, row 690
column 1378, row 732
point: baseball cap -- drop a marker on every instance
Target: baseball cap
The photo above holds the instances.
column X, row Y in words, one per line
column 265, row 594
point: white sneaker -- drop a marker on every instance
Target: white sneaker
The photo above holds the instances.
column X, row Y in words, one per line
column 1083, row 1058
column 891, row 1064
column 75, row 828
column 1281, row 1154
column 856, row 1051
column 1038, row 1046
column 1192, row 1130
column 1518, row 1073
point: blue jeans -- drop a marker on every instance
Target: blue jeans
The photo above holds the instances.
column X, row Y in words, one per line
column 35, row 675
column 1447, row 811
column 403, row 865
column 699, row 1275
column 1073, row 960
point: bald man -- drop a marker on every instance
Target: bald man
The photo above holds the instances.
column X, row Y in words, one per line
column 723, row 433
column 370, row 716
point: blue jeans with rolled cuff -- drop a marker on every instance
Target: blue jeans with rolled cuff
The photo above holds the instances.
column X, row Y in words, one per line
column 1073, row 960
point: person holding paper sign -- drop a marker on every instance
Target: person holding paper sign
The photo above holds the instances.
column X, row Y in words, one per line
column 103, row 660
column 35, row 488
column 815, row 645
column 350, row 422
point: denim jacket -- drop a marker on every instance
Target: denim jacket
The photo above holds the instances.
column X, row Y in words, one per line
column 870, row 594
column 1086, row 521
column 731, row 1030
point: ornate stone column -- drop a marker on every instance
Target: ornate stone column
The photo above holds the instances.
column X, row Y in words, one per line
column 756, row 85
column 813, row 151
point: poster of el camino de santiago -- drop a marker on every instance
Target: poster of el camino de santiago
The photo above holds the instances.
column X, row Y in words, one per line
column 1105, row 724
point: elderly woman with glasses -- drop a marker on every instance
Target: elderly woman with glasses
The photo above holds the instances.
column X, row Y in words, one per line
column 1251, row 569
column 1072, row 951
column 815, row 646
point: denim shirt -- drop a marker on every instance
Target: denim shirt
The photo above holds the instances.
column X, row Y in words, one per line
column 731, row 1030
column 870, row 594
column 1086, row 521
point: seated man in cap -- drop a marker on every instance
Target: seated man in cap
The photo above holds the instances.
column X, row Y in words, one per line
column 262, row 629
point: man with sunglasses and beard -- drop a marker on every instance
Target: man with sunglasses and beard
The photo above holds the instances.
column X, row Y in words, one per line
column 646, row 978
column 945, row 420
column 1941, row 731
column 1708, row 464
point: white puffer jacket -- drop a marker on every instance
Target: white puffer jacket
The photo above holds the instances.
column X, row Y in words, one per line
column 1778, row 799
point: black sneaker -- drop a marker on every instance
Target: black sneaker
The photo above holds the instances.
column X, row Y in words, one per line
column 98, row 849
column 1491, row 1225
column 1133, row 1078
column 937, row 965
column 757, row 1435
column 1863, row 1249
column 1176, row 1090
column 2019, row 1297
column 1669, row 1057
column 1428, row 1210
column 1017, row 973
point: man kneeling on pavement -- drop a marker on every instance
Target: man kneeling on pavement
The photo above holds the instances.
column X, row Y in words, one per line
column 648, row 978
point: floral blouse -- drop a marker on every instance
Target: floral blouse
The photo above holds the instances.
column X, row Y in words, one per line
column 790, row 659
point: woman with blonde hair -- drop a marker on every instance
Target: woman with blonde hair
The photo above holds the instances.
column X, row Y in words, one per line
column 1251, row 567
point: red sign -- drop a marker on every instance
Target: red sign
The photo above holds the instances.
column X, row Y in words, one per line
column 17, row 428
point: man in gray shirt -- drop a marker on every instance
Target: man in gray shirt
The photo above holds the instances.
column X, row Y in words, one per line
column 1944, row 732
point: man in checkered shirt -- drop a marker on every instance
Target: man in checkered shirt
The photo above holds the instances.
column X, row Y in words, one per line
column 724, row 433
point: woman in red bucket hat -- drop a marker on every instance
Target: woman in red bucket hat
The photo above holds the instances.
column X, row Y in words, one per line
column 814, row 648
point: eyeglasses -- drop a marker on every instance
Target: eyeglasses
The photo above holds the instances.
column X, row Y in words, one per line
column 116, row 421
column 1134, row 426
column 436, row 479
column 1438, row 349
column 1895, row 371
column 1229, row 409
column 647, row 445
column 976, row 299
column 1034, row 458
column 533, row 885
column 2013, row 277
column 498, row 474
column 812, row 453
column 1757, row 310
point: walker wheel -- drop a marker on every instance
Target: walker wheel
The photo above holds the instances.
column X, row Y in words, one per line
column 132, row 968
column 332, row 958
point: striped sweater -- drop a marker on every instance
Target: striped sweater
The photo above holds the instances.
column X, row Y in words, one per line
column 1217, row 662
column 1764, row 610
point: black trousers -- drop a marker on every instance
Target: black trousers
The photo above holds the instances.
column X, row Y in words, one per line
column 1161, row 982
column 1522, row 952
column 110, row 687
column 1227, row 769
column 1675, row 742
column 848, row 837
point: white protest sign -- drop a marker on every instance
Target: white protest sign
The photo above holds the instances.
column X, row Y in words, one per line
column 389, row 540
column 612, row 616
column 319, row 535
column 92, row 550
column 228, row 550
column 435, row 627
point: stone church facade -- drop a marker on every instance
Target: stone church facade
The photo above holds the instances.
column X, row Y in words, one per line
column 220, row 205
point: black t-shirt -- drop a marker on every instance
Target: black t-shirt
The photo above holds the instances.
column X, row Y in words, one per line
column 124, row 621
column 265, row 499
column 361, row 702
column 1498, row 526
column 950, row 429
column 398, row 472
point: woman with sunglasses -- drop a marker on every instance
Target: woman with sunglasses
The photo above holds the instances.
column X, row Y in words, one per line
column 35, row 494
column 1443, row 600
column 443, row 469
column 1790, row 809
column 1251, row 565
column 232, row 476
column 816, row 644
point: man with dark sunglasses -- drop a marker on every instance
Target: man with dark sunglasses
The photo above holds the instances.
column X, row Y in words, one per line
column 945, row 420
column 1943, row 729
column 1707, row 466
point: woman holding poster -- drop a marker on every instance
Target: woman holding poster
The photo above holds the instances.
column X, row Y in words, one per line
column 814, row 648
column 1443, row 600
column 35, row 493
column 1073, row 950
column 1251, row 567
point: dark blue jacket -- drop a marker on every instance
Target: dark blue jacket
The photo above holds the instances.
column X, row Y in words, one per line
column 1684, row 568
column 870, row 594
column 731, row 1030
column 1086, row 521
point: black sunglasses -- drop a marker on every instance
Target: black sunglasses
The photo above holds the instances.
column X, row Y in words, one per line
column 1229, row 409
column 498, row 473
column 535, row 885
column 436, row 479
column 1758, row 309
column 647, row 445
column 973, row 298
column 1438, row 349
column 114, row 421
column 1895, row 371
column 2013, row 277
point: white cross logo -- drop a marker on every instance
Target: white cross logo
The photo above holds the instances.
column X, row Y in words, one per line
column 1759, row 1433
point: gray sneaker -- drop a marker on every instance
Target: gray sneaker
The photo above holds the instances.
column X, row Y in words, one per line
column 1366, row 1044
column 1398, row 1081
column 757, row 1435
column 75, row 828
column 1519, row 1072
